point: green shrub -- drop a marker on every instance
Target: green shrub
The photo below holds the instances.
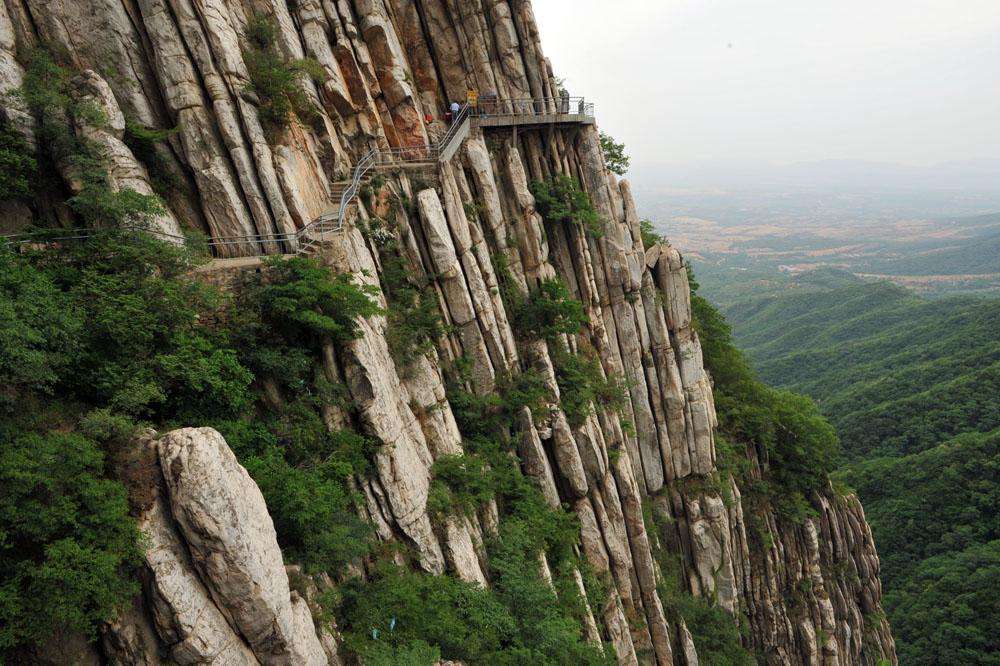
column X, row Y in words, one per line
column 716, row 634
column 67, row 539
column 97, row 204
column 548, row 311
column 401, row 608
column 483, row 416
column 799, row 445
column 560, row 200
column 582, row 384
column 276, row 82
column 415, row 653
column 413, row 318
column 549, row 628
column 313, row 511
column 460, row 482
column 615, row 158
column 304, row 300
column 519, row 620
column 39, row 325
column 281, row 318
column 18, row 167
column 46, row 92
column 650, row 237
column 111, row 333
column 147, row 144
column 138, row 344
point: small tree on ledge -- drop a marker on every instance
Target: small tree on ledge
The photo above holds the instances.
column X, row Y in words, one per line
column 614, row 154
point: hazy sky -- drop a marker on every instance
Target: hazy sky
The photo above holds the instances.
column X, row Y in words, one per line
column 910, row 81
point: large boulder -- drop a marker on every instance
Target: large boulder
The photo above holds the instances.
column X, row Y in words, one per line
column 222, row 516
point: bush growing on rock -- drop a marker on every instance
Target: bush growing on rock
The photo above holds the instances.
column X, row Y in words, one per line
column 277, row 82
column 148, row 144
column 615, row 158
column 583, row 384
column 786, row 428
column 313, row 510
column 460, row 483
column 518, row 620
column 548, row 311
column 561, row 200
column 650, row 236
column 414, row 320
column 17, row 166
column 67, row 542
column 47, row 93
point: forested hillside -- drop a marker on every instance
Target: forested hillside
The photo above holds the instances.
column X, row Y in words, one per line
column 913, row 389
column 896, row 374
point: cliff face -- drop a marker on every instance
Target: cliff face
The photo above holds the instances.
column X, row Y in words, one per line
column 216, row 590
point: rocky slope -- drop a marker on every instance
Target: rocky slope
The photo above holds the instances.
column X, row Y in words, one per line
column 216, row 590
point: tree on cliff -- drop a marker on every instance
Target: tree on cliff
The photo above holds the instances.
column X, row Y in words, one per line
column 615, row 158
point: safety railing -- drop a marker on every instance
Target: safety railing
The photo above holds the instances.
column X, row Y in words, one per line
column 301, row 240
column 456, row 125
column 361, row 169
column 430, row 152
column 389, row 156
column 261, row 241
column 537, row 106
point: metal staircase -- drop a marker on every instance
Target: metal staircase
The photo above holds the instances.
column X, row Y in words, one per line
column 428, row 155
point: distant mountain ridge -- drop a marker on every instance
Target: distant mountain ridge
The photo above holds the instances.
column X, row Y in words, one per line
column 981, row 175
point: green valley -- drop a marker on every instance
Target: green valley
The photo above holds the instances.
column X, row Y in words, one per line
column 912, row 387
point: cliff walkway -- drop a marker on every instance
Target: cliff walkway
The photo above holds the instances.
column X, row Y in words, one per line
column 533, row 112
column 249, row 249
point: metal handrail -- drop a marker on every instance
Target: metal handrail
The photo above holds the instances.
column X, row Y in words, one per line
column 427, row 152
column 360, row 170
column 456, row 125
column 424, row 153
column 48, row 236
column 534, row 106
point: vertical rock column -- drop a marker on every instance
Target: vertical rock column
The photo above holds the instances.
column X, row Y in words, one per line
column 222, row 515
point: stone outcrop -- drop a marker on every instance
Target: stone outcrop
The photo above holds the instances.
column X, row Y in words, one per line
column 216, row 588
column 222, row 516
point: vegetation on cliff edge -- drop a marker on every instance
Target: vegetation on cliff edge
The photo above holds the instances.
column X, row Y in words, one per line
column 796, row 445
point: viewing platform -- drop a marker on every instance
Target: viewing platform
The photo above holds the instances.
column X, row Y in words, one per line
column 533, row 112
